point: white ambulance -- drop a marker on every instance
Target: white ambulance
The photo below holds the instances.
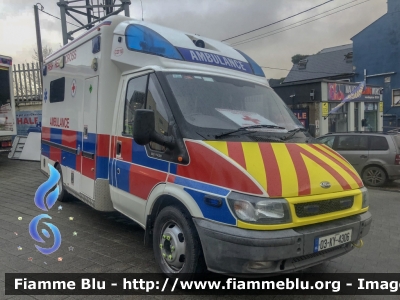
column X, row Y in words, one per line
column 183, row 135
column 8, row 126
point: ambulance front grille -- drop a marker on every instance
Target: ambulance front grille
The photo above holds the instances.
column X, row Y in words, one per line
column 310, row 209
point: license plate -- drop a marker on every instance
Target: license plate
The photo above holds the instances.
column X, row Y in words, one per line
column 332, row 240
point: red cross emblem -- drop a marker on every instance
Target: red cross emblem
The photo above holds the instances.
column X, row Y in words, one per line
column 255, row 121
column 73, row 88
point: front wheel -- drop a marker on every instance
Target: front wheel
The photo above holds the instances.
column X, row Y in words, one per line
column 374, row 176
column 176, row 244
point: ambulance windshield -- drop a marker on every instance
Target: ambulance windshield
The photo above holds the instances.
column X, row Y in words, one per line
column 225, row 103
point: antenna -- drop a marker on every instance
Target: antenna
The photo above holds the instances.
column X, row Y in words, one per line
column 141, row 3
column 94, row 13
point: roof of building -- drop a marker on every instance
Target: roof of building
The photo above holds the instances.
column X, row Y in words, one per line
column 327, row 63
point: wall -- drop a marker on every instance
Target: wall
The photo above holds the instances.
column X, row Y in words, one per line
column 377, row 49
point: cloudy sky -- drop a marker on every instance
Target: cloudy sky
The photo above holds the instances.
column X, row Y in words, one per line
column 218, row 19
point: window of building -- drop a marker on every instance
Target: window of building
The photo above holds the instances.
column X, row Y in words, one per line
column 57, row 90
column 135, row 99
column 378, row 143
column 371, row 116
column 396, row 98
column 338, row 121
column 155, row 103
column 352, row 142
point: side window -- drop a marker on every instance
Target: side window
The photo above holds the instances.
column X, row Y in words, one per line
column 352, row 142
column 57, row 90
column 155, row 103
column 378, row 143
column 134, row 99
column 328, row 140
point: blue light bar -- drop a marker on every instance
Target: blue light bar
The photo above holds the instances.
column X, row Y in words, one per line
column 256, row 68
column 143, row 39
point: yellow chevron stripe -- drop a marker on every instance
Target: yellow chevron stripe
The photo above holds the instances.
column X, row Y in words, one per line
column 287, row 170
column 220, row 146
column 316, row 174
column 254, row 163
column 353, row 184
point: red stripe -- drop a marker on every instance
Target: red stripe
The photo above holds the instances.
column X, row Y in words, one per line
column 207, row 166
column 142, row 180
column 346, row 168
column 46, row 133
column 55, row 154
column 103, row 145
column 274, row 182
column 171, row 178
column 68, row 138
column 87, row 165
column 235, row 151
column 303, row 178
column 78, row 162
column 328, row 168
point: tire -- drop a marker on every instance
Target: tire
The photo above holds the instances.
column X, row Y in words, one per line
column 374, row 176
column 176, row 244
column 63, row 195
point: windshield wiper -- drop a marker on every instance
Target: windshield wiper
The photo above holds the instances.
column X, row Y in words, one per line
column 218, row 136
column 293, row 132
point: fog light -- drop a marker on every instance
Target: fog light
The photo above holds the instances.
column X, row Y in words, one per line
column 259, row 265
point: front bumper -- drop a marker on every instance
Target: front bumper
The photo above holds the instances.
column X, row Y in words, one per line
column 234, row 250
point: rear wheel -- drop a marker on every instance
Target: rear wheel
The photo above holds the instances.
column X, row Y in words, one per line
column 176, row 244
column 374, row 176
column 63, row 195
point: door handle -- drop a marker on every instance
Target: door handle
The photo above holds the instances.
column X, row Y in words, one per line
column 119, row 146
column 363, row 156
column 118, row 171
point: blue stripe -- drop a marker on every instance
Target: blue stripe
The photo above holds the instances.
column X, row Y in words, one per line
column 220, row 214
column 201, row 186
column 56, row 135
column 89, row 144
column 140, row 157
column 173, row 168
column 123, row 176
column 45, row 150
column 102, row 167
column 68, row 159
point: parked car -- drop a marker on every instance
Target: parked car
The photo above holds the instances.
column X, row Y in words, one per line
column 375, row 156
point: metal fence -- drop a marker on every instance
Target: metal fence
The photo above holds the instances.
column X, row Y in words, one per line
column 27, row 83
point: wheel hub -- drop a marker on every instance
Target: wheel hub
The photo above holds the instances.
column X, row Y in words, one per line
column 172, row 246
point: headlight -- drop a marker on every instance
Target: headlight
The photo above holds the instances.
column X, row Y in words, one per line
column 259, row 210
column 365, row 197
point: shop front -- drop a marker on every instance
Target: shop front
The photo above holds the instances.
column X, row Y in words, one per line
column 362, row 114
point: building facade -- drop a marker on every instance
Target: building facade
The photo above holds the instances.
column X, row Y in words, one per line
column 377, row 51
column 311, row 101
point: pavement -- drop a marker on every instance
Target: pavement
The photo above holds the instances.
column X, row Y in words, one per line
column 112, row 243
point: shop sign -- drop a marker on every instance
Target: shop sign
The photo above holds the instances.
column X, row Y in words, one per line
column 339, row 91
column 302, row 115
column 28, row 121
column 381, row 106
column 325, row 109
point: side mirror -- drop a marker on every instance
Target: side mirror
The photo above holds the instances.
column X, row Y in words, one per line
column 364, row 123
column 143, row 126
column 144, row 130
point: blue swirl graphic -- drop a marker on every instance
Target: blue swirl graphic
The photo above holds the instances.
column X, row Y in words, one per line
column 45, row 187
column 35, row 235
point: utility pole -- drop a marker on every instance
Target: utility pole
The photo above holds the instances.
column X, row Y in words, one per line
column 38, row 40
column 94, row 13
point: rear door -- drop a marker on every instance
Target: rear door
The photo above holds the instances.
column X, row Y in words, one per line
column 89, row 130
column 379, row 152
column 354, row 148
